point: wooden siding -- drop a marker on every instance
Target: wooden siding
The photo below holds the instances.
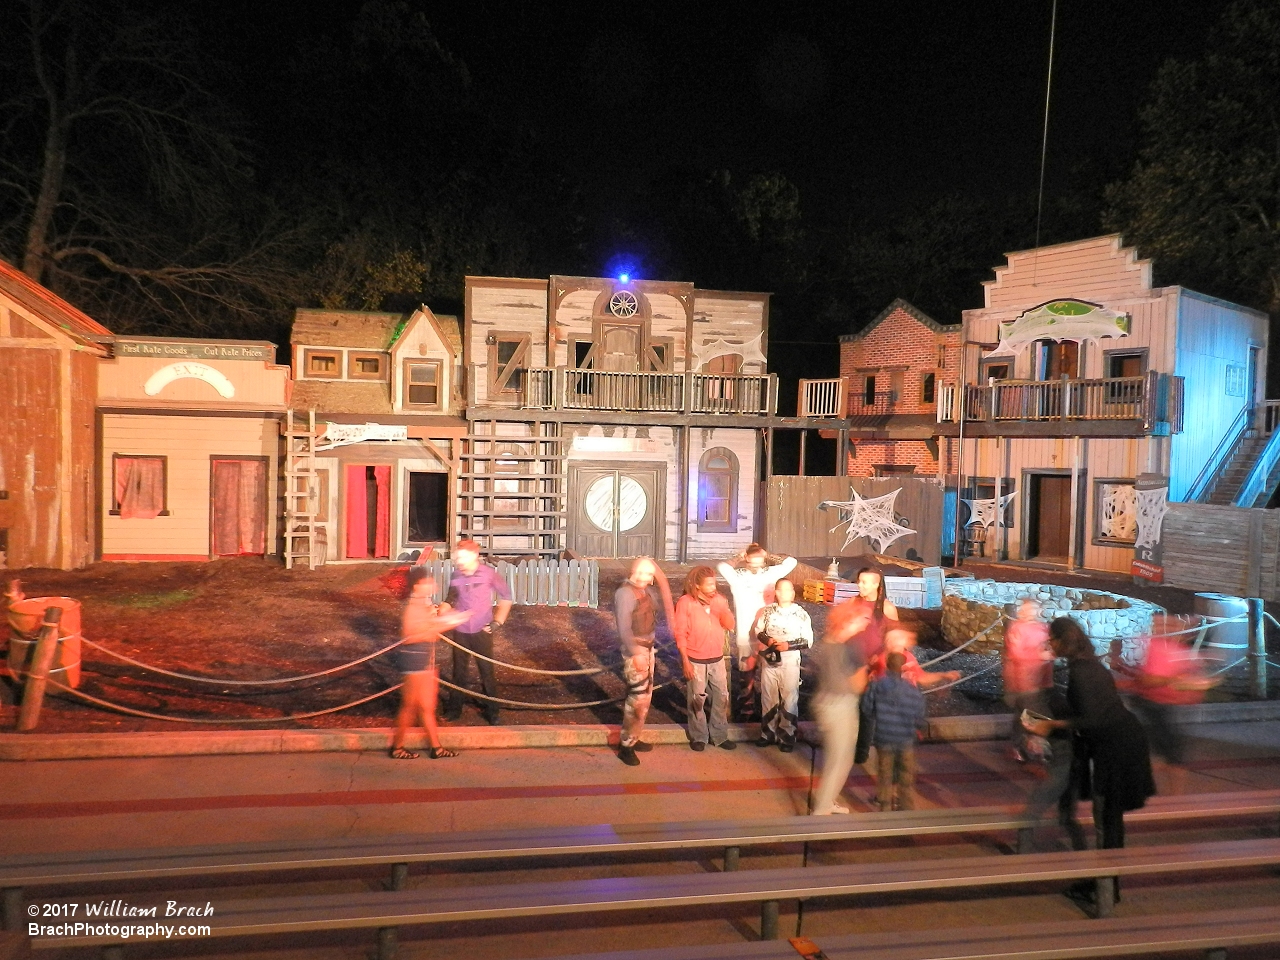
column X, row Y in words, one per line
column 1229, row 550
column 503, row 306
column 1212, row 335
column 745, row 445
column 258, row 385
column 1099, row 270
column 422, row 340
column 188, row 442
column 796, row 526
column 736, row 319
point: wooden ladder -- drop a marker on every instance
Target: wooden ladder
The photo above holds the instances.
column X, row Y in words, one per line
column 300, row 532
column 527, row 475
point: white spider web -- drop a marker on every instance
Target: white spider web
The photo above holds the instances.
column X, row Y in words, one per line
column 1119, row 518
column 872, row 518
column 983, row 511
column 1152, row 506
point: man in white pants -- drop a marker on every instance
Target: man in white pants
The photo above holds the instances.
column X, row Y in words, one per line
column 751, row 586
column 782, row 629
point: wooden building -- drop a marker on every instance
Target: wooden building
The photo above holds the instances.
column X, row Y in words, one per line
column 893, row 370
column 49, row 355
column 1080, row 376
column 614, row 418
column 189, row 449
column 377, row 478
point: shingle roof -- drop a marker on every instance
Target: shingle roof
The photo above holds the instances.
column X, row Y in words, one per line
column 345, row 328
column 50, row 307
column 342, row 396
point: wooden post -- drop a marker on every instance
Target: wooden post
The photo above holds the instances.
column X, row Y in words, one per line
column 399, row 876
column 769, row 920
column 802, row 436
column 842, row 453
column 38, row 677
column 387, row 945
column 731, row 859
column 997, row 512
column 1257, row 650
column 1075, row 498
column 682, row 538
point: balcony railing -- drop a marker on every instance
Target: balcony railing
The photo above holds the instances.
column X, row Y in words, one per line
column 1153, row 399
column 822, row 398
column 565, row 388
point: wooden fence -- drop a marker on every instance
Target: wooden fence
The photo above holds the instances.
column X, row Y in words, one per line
column 1230, row 550
column 552, row 583
column 795, row 525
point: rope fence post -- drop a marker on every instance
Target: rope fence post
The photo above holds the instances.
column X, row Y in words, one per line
column 1257, row 649
column 38, row 675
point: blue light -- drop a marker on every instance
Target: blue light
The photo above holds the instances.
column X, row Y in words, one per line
column 625, row 278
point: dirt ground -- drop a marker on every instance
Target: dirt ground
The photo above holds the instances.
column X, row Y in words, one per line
column 250, row 619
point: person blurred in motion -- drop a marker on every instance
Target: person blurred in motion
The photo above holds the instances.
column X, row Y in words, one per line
column 636, row 611
column 783, row 629
column 1027, row 664
column 901, row 640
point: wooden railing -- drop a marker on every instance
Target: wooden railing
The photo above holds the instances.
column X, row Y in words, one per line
column 1269, row 417
column 1154, row 398
column 822, row 398
column 564, row 388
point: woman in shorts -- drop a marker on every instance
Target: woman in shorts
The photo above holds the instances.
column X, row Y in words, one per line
column 421, row 626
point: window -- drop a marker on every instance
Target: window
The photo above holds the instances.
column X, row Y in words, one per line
column 365, row 366
column 894, row 469
column 927, row 388
column 1057, row 359
column 942, row 356
column 508, row 359
column 1126, row 364
column 422, row 383
column 1235, row 380
column 138, row 486
column 324, row 364
column 582, row 357
column 869, row 392
column 993, row 370
column 718, row 491
column 1115, row 512
column 659, row 355
column 896, row 393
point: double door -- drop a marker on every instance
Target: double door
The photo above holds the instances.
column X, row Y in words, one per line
column 617, row 510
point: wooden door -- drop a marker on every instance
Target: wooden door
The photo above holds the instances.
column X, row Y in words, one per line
column 619, row 348
column 617, row 509
column 1049, row 536
column 238, row 507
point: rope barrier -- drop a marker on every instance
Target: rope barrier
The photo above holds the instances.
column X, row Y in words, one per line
column 241, row 683
column 543, row 706
column 237, row 720
column 1234, row 663
column 973, row 639
column 946, row 686
column 587, row 671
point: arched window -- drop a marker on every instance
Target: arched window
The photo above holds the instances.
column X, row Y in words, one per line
column 718, row 491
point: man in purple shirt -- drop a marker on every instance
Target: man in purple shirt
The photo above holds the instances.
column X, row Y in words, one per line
column 471, row 590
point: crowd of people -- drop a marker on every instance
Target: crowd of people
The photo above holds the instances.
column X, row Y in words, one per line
column 1083, row 741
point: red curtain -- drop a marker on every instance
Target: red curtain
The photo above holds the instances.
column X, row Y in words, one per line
column 239, row 521
column 357, row 512
column 382, row 536
column 140, row 487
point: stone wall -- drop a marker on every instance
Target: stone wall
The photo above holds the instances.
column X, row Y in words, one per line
column 971, row 606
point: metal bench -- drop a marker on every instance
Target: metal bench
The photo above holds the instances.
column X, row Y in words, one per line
column 1213, row 932
column 389, row 910
column 63, row 869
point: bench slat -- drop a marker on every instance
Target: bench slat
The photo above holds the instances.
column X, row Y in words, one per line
column 458, row 903
column 572, row 840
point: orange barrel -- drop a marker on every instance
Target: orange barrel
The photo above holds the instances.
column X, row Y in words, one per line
column 25, row 618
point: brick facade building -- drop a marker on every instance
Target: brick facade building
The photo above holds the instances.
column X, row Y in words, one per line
column 894, row 369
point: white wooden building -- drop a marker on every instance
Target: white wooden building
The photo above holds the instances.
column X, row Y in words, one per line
column 614, row 418
column 1080, row 377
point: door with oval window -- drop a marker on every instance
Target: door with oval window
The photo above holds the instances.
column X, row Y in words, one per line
column 617, row 509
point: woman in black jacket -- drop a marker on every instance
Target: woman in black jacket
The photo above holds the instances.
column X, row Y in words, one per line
column 1111, row 746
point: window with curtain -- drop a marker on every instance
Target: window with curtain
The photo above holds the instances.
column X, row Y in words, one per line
column 138, row 487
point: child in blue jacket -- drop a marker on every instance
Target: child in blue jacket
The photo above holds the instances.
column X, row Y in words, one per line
column 895, row 707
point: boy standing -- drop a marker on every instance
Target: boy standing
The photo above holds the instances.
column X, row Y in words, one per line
column 896, row 707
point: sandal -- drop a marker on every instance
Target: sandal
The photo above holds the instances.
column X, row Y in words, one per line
column 440, row 753
column 400, row 753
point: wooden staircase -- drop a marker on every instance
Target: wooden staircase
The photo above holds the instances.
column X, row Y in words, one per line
column 511, row 489
column 1233, row 475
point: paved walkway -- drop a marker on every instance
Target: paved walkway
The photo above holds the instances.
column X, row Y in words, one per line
column 105, row 803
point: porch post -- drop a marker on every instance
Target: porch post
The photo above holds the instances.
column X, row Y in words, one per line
column 802, row 436
column 1075, row 497
column 998, row 513
column 682, row 538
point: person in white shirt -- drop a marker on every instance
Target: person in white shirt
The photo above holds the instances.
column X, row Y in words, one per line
column 782, row 629
column 750, row 586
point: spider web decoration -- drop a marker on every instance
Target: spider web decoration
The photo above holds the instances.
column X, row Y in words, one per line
column 1152, row 505
column 983, row 511
column 1119, row 512
column 872, row 518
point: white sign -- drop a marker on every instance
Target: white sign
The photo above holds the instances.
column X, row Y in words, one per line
column 189, row 370
column 340, row 434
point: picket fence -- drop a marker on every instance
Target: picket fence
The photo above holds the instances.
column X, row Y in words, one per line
column 548, row 583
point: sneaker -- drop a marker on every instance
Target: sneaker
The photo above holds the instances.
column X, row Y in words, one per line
column 641, row 747
column 698, row 746
column 727, row 745
column 765, row 742
column 628, row 756
column 834, row 808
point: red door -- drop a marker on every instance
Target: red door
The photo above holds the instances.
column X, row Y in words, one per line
column 368, row 512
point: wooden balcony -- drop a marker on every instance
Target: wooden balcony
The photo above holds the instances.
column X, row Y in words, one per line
column 565, row 389
column 822, row 398
column 1150, row 404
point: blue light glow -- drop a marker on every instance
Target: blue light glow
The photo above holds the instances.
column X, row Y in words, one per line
column 625, row 278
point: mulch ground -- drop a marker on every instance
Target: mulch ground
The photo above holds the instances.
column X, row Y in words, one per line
column 250, row 619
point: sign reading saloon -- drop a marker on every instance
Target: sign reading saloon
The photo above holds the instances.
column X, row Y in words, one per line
column 194, row 350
